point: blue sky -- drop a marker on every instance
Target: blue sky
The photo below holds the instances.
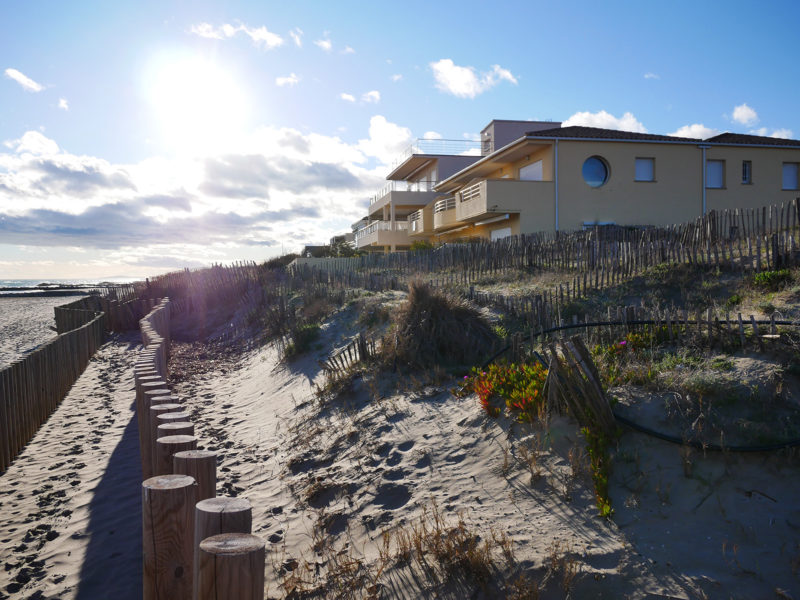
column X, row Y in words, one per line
column 141, row 137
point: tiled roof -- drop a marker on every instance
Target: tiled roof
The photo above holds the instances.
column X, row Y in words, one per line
column 597, row 133
column 760, row 140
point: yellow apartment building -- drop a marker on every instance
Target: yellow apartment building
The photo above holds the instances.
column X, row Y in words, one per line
column 568, row 178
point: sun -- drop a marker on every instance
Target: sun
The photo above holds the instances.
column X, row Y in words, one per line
column 197, row 103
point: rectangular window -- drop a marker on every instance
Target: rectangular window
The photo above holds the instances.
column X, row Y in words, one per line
column 499, row 234
column 747, row 171
column 531, row 172
column 790, row 178
column 645, row 169
column 715, row 173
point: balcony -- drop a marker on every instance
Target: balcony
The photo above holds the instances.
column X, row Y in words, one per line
column 444, row 214
column 401, row 186
column 420, row 223
column 383, row 233
column 497, row 196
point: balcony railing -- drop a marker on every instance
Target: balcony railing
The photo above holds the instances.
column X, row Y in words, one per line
column 403, row 186
column 439, row 146
column 381, row 226
column 443, row 205
column 472, row 192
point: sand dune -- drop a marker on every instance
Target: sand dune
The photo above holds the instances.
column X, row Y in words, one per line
column 328, row 480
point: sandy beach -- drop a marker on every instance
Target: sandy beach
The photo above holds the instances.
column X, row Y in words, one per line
column 25, row 323
column 331, row 484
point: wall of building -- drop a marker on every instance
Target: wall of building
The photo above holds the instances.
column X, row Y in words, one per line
column 767, row 177
column 675, row 195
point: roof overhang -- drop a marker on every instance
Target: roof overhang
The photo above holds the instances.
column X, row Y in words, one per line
column 411, row 165
column 510, row 153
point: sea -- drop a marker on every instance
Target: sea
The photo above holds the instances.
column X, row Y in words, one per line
column 27, row 320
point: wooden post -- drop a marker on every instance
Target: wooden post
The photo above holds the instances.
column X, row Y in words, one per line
column 200, row 464
column 167, row 536
column 167, row 446
column 176, row 428
column 231, row 565
column 214, row 516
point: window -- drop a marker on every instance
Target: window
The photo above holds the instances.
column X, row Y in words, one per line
column 499, row 234
column 715, row 173
column 645, row 169
column 531, row 172
column 790, row 178
column 747, row 171
column 595, row 171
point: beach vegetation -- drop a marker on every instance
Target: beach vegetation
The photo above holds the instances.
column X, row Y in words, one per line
column 436, row 328
column 301, row 338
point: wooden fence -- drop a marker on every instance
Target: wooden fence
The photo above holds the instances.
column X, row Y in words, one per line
column 31, row 388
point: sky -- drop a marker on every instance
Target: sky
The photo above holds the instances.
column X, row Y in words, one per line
column 143, row 137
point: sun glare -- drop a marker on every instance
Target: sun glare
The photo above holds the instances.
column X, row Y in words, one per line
column 198, row 104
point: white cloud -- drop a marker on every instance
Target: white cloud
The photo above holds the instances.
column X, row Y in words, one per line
column 26, row 82
column 432, row 135
column 651, row 76
column 348, row 50
column 386, row 139
column 63, row 104
column 606, row 120
column 785, row 134
column 347, row 97
column 33, row 142
column 397, row 77
column 324, row 43
column 745, row 115
column 289, row 80
column 371, row 97
column 297, row 36
column 465, row 82
column 260, row 36
column 695, row 130
column 222, row 207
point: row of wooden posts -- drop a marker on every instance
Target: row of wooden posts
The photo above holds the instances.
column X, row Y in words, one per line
column 195, row 545
column 706, row 328
column 746, row 239
column 32, row 387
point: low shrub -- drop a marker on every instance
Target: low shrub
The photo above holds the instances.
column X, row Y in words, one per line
column 772, row 280
column 301, row 338
column 518, row 386
column 433, row 327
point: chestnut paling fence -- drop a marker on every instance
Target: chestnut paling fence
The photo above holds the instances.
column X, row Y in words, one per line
column 33, row 386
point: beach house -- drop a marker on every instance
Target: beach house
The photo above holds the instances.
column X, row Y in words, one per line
column 405, row 209
column 535, row 176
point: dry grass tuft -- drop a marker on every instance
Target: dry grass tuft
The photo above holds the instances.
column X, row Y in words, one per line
column 433, row 327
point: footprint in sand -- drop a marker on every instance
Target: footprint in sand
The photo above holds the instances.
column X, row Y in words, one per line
column 392, row 496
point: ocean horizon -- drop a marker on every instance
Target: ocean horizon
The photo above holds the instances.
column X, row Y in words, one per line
column 22, row 283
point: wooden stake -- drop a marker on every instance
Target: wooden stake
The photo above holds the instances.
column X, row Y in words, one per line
column 200, row 464
column 231, row 566
column 167, row 446
column 167, row 536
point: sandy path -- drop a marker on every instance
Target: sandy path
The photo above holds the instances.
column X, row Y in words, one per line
column 71, row 502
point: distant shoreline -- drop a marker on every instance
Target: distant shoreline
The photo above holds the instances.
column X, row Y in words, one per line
column 34, row 293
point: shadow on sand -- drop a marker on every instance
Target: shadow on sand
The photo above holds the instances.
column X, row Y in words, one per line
column 112, row 567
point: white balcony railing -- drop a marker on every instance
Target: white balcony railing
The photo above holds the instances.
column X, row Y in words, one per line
column 441, row 147
column 402, row 186
column 381, row 226
column 472, row 192
column 443, row 205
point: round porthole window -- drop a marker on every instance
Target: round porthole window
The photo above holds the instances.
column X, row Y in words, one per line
column 595, row 171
